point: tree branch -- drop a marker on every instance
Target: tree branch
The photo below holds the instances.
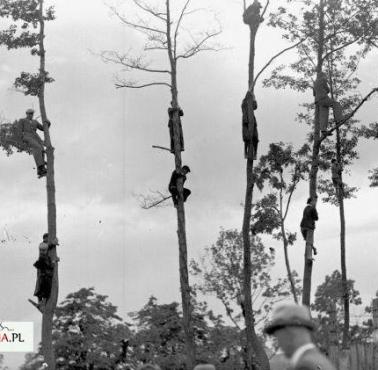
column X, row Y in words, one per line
column 340, row 47
column 129, row 62
column 132, row 85
column 136, row 26
column 199, row 46
column 150, row 10
column 273, row 58
column 178, row 27
column 161, row 147
column 265, row 9
column 349, row 116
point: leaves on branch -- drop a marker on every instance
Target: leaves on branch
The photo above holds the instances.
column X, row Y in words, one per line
column 31, row 83
column 373, row 177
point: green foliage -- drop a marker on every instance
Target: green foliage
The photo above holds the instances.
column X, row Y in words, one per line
column 220, row 273
column 281, row 169
column 160, row 339
column 86, row 332
column 373, row 177
column 330, row 294
column 23, row 32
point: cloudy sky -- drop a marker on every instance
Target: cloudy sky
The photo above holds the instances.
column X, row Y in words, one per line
column 104, row 159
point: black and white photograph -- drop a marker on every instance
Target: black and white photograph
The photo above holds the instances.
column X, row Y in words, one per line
column 189, row 184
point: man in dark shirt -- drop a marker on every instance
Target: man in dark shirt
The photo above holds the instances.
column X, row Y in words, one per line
column 310, row 215
column 172, row 187
column 180, row 112
column 249, row 126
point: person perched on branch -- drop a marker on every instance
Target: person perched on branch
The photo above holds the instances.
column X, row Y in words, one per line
column 28, row 127
column 310, row 215
column 45, row 272
column 324, row 102
column 250, row 134
column 180, row 112
column 251, row 15
column 173, row 188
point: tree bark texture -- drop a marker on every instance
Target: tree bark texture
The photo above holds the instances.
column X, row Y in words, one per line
column 256, row 356
column 48, row 314
column 181, row 229
column 344, row 282
column 306, row 297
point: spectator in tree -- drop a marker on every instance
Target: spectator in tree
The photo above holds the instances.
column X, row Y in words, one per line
column 28, row 127
column 336, row 170
column 251, row 15
column 45, row 272
column 310, row 215
column 172, row 186
column 324, row 102
column 291, row 324
column 180, row 112
column 249, row 125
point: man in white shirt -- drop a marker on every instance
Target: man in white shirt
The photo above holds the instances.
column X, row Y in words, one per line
column 292, row 326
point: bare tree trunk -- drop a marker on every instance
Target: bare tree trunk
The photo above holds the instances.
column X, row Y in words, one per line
column 344, row 282
column 306, row 297
column 287, row 262
column 181, row 230
column 256, row 356
column 47, row 317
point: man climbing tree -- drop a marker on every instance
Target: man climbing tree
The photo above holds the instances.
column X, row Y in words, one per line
column 171, row 114
column 249, row 126
column 324, row 102
column 28, row 130
column 173, row 184
column 310, row 215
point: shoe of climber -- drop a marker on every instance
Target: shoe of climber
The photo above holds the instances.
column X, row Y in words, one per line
column 315, row 251
column 41, row 172
column 326, row 133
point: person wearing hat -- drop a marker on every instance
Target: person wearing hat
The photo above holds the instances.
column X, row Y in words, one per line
column 45, row 271
column 172, row 186
column 324, row 102
column 28, row 127
column 204, row 367
column 291, row 324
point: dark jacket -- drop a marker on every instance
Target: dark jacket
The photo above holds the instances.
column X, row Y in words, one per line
column 175, row 176
column 314, row 360
column 310, row 215
column 249, row 124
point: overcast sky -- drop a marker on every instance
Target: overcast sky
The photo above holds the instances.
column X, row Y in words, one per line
column 104, row 157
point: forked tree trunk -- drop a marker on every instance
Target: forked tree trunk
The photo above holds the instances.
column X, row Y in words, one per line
column 306, row 297
column 47, row 317
column 181, row 231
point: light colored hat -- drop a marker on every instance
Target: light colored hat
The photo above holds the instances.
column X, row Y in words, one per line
column 43, row 246
column 289, row 314
column 30, row 111
column 204, row 367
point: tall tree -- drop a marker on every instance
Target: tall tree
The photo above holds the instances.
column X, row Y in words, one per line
column 354, row 26
column 282, row 169
column 28, row 30
column 164, row 33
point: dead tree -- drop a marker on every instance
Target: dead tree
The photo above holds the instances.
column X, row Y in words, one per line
column 163, row 34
